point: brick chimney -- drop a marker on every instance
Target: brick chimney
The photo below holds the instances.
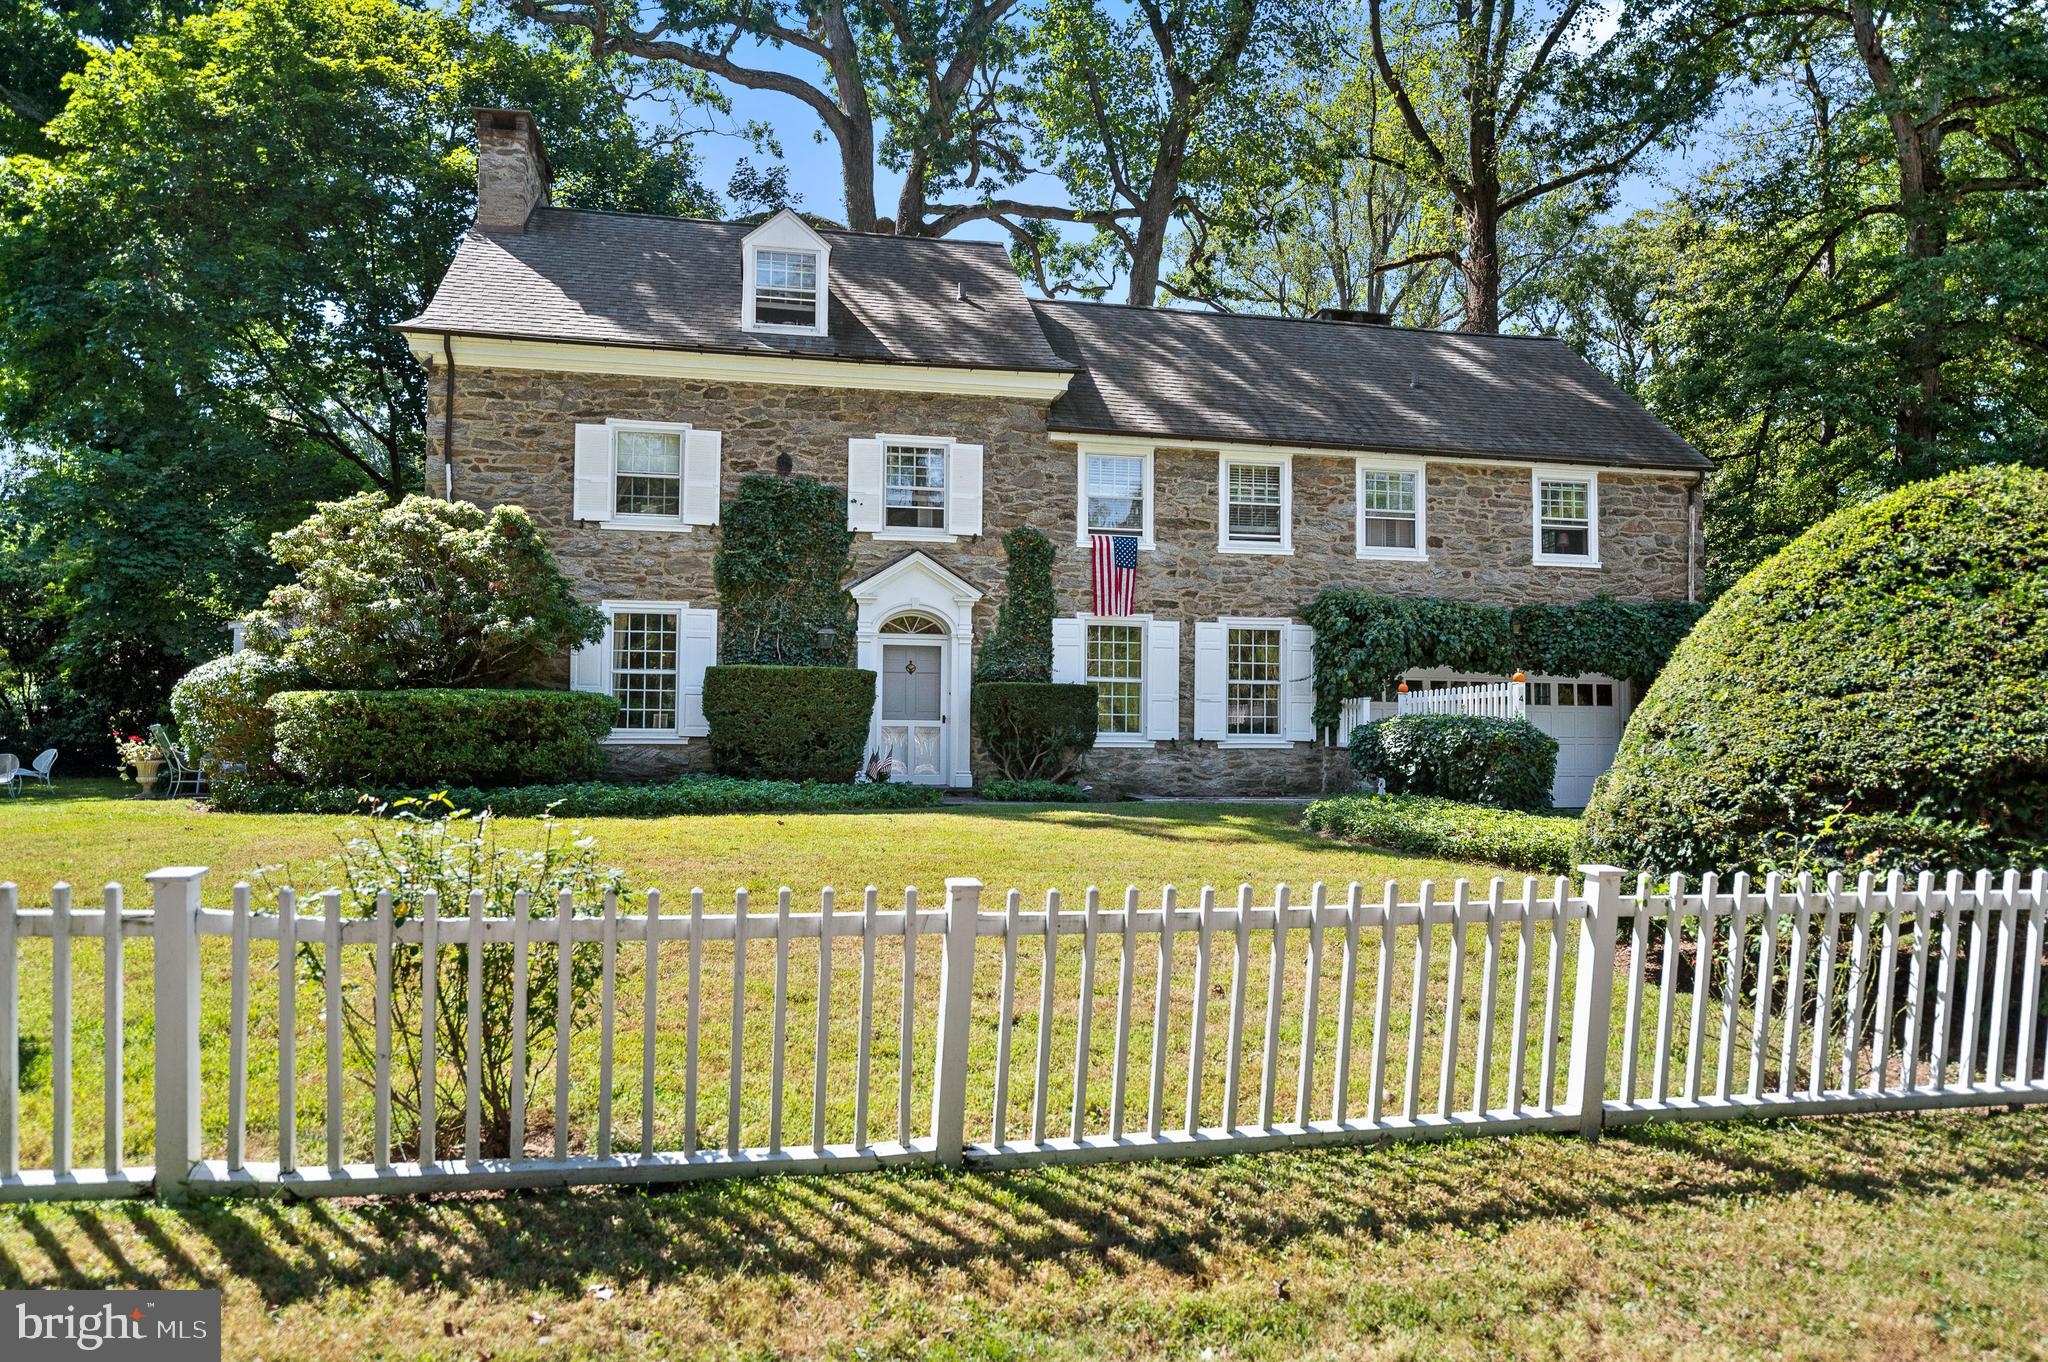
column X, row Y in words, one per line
column 512, row 171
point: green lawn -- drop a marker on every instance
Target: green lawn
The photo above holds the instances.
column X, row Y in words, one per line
column 1878, row 1237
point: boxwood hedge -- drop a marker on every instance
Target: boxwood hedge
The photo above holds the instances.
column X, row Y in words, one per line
column 788, row 723
column 1874, row 695
column 458, row 737
column 1034, row 730
column 1509, row 763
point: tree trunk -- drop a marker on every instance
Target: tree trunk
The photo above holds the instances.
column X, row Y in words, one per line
column 1481, row 263
column 1148, row 242
column 857, row 137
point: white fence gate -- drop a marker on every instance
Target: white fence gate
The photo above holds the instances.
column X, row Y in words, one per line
column 1222, row 1026
column 1485, row 699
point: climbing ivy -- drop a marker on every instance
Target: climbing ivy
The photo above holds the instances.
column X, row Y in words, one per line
column 1019, row 648
column 783, row 552
column 1366, row 641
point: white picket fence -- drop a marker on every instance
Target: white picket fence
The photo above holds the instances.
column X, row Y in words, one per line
column 1223, row 1026
column 1485, row 699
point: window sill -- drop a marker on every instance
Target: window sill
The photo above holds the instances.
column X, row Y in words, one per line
column 1274, row 550
column 634, row 523
column 1254, row 744
column 1551, row 560
column 1125, row 740
column 628, row 738
column 1145, row 543
column 1393, row 556
column 783, row 329
column 900, row 536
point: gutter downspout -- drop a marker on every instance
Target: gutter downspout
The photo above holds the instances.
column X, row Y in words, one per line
column 448, row 418
column 1692, row 539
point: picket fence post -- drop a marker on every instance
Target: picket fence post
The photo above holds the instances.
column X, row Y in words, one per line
column 956, row 994
column 1593, row 998
column 175, row 944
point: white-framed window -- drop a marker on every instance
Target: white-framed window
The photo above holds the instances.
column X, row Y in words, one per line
column 647, row 475
column 1392, row 509
column 1115, row 494
column 1133, row 661
column 1567, row 518
column 1257, row 504
column 651, row 658
column 913, row 487
column 785, row 280
column 1254, row 682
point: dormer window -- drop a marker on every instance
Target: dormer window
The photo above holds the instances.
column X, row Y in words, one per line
column 785, row 279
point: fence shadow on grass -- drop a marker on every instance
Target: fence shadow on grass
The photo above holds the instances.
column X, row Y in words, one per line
column 1171, row 1216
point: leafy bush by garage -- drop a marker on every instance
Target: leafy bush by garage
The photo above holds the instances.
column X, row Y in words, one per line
column 597, row 799
column 1874, row 695
column 1034, row 730
column 788, row 723
column 1508, row 763
column 421, row 737
column 221, row 710
column 1535, row 842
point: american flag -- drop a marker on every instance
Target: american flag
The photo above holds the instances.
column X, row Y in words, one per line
column 1116, row 573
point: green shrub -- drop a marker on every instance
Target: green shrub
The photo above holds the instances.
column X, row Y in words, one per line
column 601, row 799
column 1034, row 730
column 409, row 737
column 1534, row 842
column 1019, row 648
column 788, row 723
column 1508, row 763
column 1875, row 695
column 783, row 550
column 1033, row 792
column 424, row 593
column 221, row 711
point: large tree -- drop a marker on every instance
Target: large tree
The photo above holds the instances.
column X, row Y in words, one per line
column 200, row 281
column 43, row 41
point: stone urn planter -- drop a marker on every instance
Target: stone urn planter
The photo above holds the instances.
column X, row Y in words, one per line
column 146, row 769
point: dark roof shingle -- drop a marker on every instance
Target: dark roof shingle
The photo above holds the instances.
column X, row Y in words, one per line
column 633, row 279
column 1266, row 380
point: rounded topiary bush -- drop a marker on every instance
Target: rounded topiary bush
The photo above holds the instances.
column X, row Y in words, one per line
column 222, row 715
column 1508, row 763
column 1874, row 695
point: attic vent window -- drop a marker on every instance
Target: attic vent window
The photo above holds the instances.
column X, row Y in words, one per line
column 786, row 288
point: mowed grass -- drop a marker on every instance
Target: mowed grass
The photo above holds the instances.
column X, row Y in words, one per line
column 1874, row 1237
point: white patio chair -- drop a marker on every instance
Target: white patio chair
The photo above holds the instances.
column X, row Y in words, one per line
column 10, row 767
column 40, row 768
column 184, row 776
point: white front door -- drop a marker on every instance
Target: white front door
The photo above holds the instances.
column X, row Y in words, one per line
column 913, row 720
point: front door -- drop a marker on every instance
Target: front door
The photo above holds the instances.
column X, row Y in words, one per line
column 914, row 711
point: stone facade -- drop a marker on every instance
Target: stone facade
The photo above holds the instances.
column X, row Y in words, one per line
column 513, row 441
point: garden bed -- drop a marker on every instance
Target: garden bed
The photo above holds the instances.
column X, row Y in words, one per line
column 1541, row 843
column 601, row 799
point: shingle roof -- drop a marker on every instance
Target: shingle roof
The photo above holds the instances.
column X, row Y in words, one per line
column 1268, row 380
column 634, row 279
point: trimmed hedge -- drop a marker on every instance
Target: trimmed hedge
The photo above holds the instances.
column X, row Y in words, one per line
column 1538, row 843
column 405, row 737
column 1033, row 792
column 601, row 799
column 1034, row 730
column 788, row 723
column 1873, row 696
column 1507, row 763
column 222, row 710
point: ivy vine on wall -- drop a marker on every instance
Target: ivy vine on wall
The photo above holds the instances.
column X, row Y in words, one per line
column 1019, row 648
column 783, row 552
column 1366, row 641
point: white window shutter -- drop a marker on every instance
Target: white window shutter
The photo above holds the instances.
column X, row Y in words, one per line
column 1210, row 671
column 1162, row 680
column 864, row 485
column 697, row 651
column 1299, row 683
column 702, row 450
column 590, row 667
column 963, row 508
column 1068, row 665
column 593, row 473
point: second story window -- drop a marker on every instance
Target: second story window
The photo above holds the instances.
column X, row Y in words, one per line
column 1255, row 506
column 648, row 472
column 914, row 487
column 786, row 288
column 1567, row 519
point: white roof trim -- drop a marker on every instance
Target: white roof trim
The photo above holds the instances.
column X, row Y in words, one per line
column 919, row 565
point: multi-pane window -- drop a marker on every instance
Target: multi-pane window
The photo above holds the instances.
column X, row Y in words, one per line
column 1116, row 668
column 1252, row 683
column 1388, row 509
column 1254, row 503
column 648, row 469
column 1116, row 494
column 786, row 288
column 1564, row 517
column 644, row 646
column 914, row 486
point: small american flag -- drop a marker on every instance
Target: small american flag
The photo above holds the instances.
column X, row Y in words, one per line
column 1116, row 573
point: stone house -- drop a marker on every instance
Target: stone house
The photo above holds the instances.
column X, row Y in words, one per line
column 616, row 373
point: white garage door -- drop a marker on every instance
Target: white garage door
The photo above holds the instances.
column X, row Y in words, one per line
column 1586, row 715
